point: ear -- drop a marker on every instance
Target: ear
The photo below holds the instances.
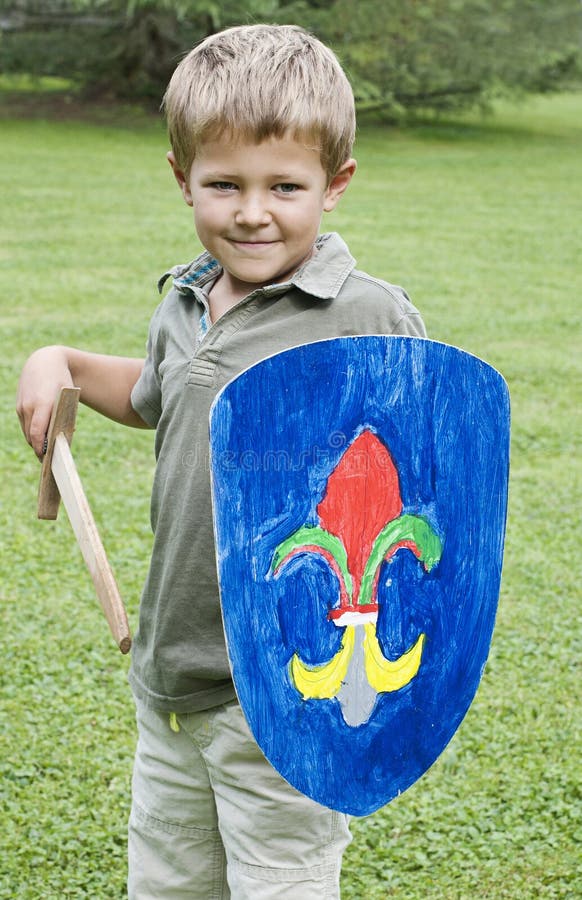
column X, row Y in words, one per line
column 181, row 178
column 338, row 184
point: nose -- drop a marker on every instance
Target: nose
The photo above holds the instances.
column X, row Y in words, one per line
column 252, row 211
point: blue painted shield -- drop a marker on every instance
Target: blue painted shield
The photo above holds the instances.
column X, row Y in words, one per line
column 360, row 491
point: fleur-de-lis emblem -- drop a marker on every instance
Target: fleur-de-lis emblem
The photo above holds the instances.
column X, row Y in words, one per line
column 361, row 525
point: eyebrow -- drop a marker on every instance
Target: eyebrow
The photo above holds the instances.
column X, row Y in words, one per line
column 276, row 176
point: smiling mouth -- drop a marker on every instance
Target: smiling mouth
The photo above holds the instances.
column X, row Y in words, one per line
column 254, row 245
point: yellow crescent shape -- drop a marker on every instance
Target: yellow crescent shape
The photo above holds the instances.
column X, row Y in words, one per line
column 385, row 674
column 318, row 682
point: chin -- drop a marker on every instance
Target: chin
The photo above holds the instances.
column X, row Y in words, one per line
column 256, row 277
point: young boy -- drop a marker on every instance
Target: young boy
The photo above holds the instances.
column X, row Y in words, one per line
column 261, row 122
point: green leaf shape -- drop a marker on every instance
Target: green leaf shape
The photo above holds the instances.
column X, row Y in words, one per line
column 312, row 536
column 404, row 528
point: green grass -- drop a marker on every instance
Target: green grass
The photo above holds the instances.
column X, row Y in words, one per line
column 42, row 84
column 480, row 220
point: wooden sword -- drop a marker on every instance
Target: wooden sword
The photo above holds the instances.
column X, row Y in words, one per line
column 59, row 479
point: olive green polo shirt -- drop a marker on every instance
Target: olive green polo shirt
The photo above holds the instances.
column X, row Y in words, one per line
column 179, row 659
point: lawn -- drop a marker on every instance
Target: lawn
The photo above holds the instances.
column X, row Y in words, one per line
column 481, row 220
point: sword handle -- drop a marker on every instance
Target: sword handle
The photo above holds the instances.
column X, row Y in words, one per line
column 63, row 419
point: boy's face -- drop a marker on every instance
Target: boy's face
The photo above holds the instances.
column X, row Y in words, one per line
column 258, row 207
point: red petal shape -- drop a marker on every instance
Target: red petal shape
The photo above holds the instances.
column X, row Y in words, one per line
column 362, row 496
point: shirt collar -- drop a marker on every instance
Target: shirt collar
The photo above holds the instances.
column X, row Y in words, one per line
column 192, row 275
column 322, row 276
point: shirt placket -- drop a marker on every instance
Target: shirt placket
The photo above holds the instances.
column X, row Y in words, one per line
column 208, row 351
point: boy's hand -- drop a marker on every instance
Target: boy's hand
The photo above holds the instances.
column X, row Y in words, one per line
column 106, row 383
column 44, row 373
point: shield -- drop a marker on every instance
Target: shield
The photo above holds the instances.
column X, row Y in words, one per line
column 360, row 492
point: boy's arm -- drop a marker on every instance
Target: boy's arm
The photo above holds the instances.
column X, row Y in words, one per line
column 106, row 383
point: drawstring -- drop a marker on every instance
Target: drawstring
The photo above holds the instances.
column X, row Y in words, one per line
column 174, row 724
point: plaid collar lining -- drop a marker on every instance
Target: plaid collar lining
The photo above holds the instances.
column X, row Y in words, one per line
column 322, row 276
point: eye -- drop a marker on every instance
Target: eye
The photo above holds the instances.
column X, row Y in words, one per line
column 286, row 187
column 224, row 186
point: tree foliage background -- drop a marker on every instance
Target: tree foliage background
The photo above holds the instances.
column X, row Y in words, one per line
column 400, row 54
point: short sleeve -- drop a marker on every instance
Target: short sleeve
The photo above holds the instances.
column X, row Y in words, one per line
column 410, row 324
column 146, row 396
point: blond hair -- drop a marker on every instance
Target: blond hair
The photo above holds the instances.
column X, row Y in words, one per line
column 253, row 82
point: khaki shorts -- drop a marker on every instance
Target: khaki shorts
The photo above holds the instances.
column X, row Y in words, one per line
column 211, row 818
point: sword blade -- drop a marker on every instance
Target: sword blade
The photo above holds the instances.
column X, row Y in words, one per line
column 83, row 524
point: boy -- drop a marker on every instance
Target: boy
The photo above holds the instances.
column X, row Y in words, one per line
column 261, row 123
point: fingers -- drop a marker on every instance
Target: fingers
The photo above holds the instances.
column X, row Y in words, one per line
column 44, row 373
column 34, row 422
column 39, row 425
